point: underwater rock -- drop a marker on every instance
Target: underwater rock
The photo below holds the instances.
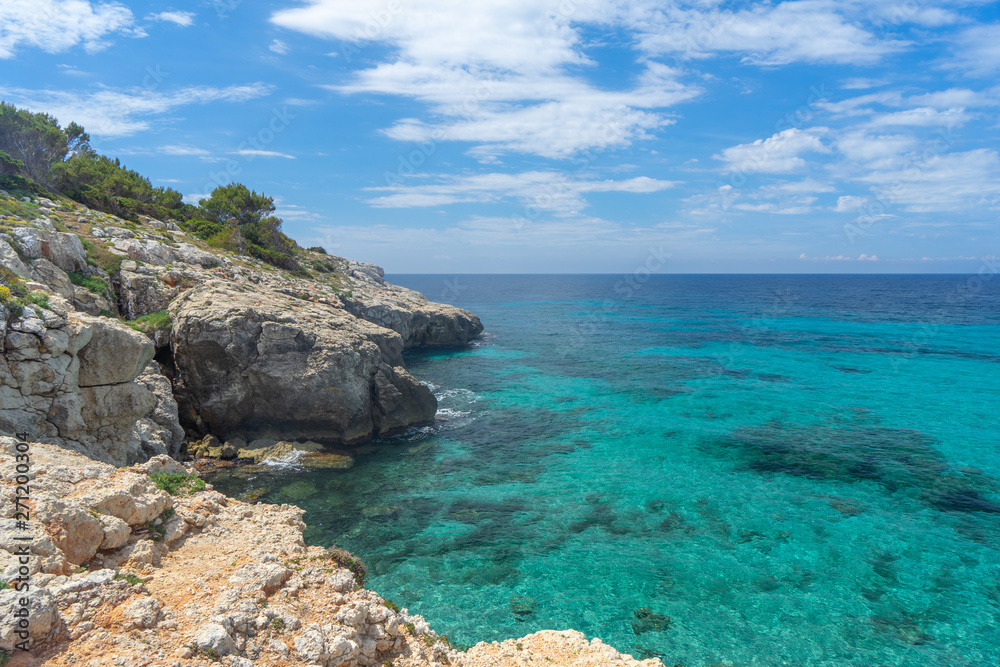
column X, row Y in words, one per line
column 897, row 459
column 648, row 620
column 522, row 606
column 379, row 511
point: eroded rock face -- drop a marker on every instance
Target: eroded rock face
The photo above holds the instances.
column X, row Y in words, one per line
column 159, row 432
column 68, row 378
column 256, row 364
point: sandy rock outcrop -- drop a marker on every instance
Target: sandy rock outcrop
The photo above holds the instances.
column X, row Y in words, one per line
column 188, row 580
column 258, row 364
column 192, row 580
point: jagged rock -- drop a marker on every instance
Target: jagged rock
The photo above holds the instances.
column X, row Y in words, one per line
column 141, row 294
column 43, row 617
column 72, row 529
column 10, row 261
column 213, row 636
column 420, row 322
column 189, row 254
column 64, row 250
column 151, row 252
column 144, row 612
column 161, row 463
column 263, row 577
column 159, row 431
column 53, row 277
column 88, row 302
column 254, row 364
column 69, row 379
column 116, row 533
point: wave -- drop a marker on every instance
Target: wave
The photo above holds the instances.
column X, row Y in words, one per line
column 289, row 461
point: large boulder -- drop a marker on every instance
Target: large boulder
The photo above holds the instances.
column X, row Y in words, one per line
column 260, row 364
column 55, row 278
column 64, row 250
column 118, row 354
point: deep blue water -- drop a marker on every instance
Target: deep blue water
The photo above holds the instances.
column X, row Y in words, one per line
column 796, row 470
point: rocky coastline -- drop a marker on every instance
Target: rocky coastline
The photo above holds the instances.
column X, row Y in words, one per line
column 141, row 346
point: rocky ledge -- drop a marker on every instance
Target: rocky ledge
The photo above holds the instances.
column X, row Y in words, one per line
column 148, row 566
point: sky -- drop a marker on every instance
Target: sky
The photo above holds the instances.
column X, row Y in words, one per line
column 552, row 136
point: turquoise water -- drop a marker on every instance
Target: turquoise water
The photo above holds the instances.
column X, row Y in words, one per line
column 795, row 470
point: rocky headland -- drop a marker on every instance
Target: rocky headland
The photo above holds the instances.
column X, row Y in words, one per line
column 128, row 347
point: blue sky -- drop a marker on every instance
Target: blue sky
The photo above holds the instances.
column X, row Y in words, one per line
column 447, row 136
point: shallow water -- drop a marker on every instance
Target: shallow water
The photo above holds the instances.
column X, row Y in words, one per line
column 795, row 470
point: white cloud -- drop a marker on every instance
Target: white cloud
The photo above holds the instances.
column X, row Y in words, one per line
column 867, row 258
column 182, row 150
column 194, row 199
column 57, row 25
column 495, row 74
column 804, row 31
column 850, row 203
column 183, row 19
column 807, row 186
column 778, row 154
column 861, row 83
column 875, row 151
column 279, row 47
column 942, row 183
column 251, row 152
column 921, row 117
column 118, row 113
column 977, row 50
column 537, row 191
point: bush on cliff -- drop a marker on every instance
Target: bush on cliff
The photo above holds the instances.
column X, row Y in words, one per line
column 107, row 185
column 238, row 219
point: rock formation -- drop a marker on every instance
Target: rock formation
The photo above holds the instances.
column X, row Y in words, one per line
column 69, row 378
column 255, row 364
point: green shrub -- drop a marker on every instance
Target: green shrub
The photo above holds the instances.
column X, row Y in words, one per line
column 130, row 578
column 390, row 605
column 152, row 322
column 278, row 623
column 95, row 284
column 14, row 295
column 178, row 483
column 18, row 209
column 319, row 249
column 349, row 561
column 98, row 255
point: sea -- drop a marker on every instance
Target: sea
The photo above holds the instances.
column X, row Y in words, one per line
column 719, row 470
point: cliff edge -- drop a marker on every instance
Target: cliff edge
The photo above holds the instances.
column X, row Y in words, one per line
column 147, row 566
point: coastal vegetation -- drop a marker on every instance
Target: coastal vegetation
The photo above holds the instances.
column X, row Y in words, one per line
column 38, row 157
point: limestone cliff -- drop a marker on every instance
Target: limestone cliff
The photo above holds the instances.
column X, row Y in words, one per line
column 242, row 349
